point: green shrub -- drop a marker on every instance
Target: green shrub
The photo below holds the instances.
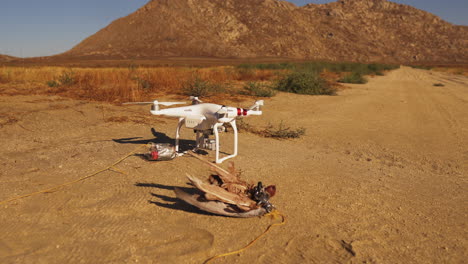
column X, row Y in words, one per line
column 67, row 78
column 258, row 89
column 304, row 83
column 200, row 88
column 53, row 83
column 319, row 66
column 421, row 67
column 354, row 77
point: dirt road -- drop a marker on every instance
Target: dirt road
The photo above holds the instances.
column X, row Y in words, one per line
column 380, row 177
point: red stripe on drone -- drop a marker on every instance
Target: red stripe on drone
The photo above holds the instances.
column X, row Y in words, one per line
column 239, row 111
column 244, row 112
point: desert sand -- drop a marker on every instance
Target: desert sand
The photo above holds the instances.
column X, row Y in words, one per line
column 379, row 177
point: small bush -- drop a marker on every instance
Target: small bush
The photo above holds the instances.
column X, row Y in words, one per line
column 258, row 89
column 439, row 84
column 421, row 67
column 67, row 78
column 53, row 83
column 200, row 88
column 379, row 73
column 354, row 77
column 319, row 66
column 282, row 131
column 304, row 83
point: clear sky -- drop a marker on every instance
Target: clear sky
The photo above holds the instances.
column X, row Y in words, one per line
column 30, row 28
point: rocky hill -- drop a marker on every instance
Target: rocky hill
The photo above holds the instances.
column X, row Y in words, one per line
column 6, row 58
column 349, row 30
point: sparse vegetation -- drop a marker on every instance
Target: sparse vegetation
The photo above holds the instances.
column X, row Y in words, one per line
column 282, row 131
column 354, row 77
column 304, row 83
column 422, row 67
column 123, row 84
column 458, row 70
column 319, row 66
column 53, row 83
column 258, row 89
column 66, row 78
column 243, row 126
column 200, row 88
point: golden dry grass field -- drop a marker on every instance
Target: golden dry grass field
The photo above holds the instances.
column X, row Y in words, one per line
column 120, row 84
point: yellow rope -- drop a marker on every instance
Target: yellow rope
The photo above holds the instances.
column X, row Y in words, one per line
column 74, row 181
column 275, row 214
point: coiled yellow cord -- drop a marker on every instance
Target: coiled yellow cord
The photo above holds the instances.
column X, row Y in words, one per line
column 275, row 214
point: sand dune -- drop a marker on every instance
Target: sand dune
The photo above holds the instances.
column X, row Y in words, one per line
column 380, row 177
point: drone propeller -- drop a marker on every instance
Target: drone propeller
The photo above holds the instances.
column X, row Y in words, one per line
column 155, row 102
column 257, row 105
column 170, row 103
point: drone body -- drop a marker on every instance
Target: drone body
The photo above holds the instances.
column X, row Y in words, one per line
column 206, row 119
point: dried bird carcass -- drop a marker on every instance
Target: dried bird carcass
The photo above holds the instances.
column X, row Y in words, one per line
column 227, row 194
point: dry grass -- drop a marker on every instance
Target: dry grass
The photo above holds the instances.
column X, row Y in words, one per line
column 129, row 84
column 121, row 84
column 454, row 70
column 278, row 131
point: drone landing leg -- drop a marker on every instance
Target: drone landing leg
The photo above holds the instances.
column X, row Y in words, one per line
column 234, row 128
column 198, row 140
column 178, row 134
column 215, row 129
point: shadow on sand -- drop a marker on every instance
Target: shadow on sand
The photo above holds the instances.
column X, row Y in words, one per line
column 184, row 144
column 172, row 202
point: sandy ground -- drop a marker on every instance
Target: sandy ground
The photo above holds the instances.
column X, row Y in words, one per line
column 380, row 177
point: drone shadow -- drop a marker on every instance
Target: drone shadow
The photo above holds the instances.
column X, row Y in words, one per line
column 172, row 202
column 184, row 144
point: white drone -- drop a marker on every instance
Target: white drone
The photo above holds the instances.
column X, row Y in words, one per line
column 205, row 119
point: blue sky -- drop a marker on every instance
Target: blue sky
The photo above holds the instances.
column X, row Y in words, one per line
column 31, row 28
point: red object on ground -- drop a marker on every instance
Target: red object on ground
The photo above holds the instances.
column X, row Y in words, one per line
column 154, row 155
column 271, row 190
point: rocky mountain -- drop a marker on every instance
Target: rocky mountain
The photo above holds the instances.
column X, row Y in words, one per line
column 346, row 30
